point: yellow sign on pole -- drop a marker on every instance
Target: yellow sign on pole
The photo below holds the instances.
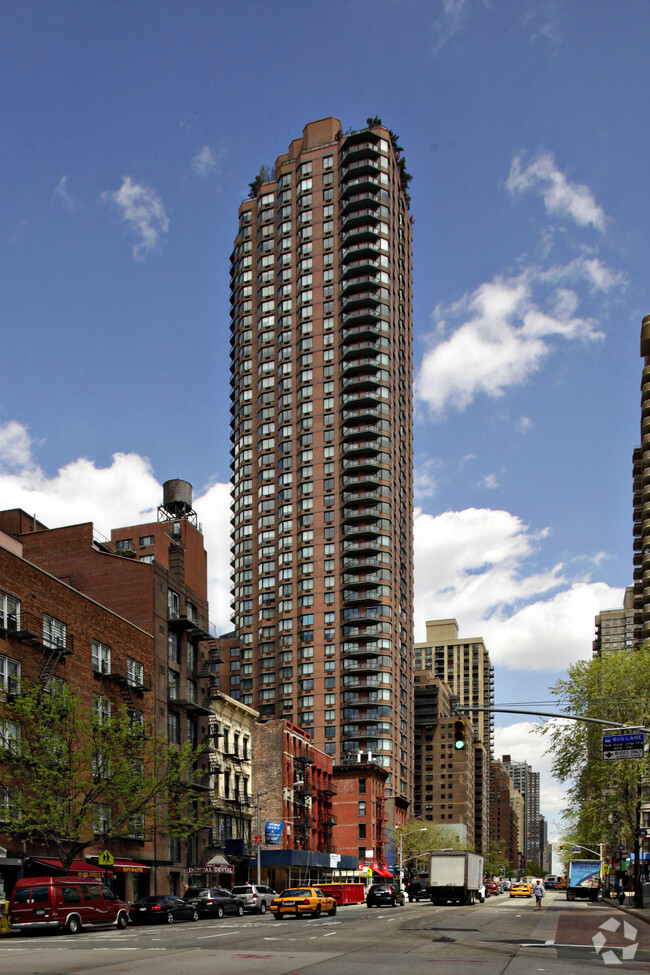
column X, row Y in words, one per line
column 106, row 859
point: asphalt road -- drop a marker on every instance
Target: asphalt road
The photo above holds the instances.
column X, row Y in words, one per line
column 504, row 936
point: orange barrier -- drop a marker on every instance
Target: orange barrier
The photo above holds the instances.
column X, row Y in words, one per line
column 345, row 893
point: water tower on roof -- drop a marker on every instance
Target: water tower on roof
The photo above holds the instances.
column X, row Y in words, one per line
column 177, row 502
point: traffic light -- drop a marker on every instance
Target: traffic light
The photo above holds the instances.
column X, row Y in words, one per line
column 459, row 734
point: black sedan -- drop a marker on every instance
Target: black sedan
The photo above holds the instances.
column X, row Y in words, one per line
column 163, row 909
column 380, row 895
column 214, row 901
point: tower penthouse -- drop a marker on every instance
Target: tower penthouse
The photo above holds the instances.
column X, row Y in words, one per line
column 321, row 380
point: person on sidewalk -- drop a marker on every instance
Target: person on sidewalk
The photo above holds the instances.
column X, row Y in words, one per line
column 538, row 893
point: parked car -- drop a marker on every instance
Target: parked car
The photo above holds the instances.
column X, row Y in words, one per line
column 214, row 901
column 65, row 903
column 162, row 909
column 301, row 901
column 256, row 897
column 493, row 888
column 384, row 894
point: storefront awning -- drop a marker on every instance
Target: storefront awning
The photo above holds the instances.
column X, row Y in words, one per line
column 382, row 872
column 79, row 867
column 128, row 866
column 218, row 864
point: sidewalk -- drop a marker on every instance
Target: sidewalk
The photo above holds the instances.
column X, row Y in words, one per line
column 642, row 913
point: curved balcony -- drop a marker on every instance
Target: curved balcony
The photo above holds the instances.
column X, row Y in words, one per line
column 366, row 546
column 366, row 530
column 364, row 682
column 356, row 168
column 362, row 200
column 372, row 512
column 362, row 215
column 367, row 464
column 369, row 383
column 372, row 432
column 370, row 596
column 355, row 252
column 362, row 412
column 367, row 480
column 363, row 182
column 371, row 446
column 363, row 580
column 369, row 147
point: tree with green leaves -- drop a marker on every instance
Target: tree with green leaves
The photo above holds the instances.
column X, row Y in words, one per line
column 420, row 837
column 495, row 861
column 265, row 175
column 74, row 776
column 602, row 795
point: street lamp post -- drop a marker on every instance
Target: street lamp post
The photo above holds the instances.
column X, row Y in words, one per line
column 259, row 830
column 421, row 829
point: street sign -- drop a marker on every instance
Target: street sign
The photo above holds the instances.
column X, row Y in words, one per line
column 576, row 849
column 642, row 834
column 106, row 859
column 618, row 747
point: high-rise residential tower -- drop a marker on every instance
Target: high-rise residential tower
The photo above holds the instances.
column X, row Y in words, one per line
column 321, row 378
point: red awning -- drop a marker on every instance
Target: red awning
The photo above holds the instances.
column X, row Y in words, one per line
column 382, row 871
column 79, row 867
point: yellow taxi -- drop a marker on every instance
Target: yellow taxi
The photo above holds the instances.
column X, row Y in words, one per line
column 301, row 901
column 520, row 888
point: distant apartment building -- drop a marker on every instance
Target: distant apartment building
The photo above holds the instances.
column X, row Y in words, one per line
column 321, row 432
column 503, row 818
column 615, row 627
column 464, row 665
column 526, row 782
column 444, row 775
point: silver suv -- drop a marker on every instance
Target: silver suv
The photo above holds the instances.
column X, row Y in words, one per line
column 256, row 898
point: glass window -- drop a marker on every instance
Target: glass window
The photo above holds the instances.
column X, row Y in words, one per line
column 101, row 657
column 9, row 674
column 9, row 612
column 54, row 632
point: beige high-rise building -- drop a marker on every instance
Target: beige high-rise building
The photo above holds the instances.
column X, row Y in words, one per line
column 464, row 664
column 615, row 627
column 321, row 429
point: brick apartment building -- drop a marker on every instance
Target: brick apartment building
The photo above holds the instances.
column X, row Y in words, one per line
column 155, row 576
column 444, row 775
column 321, row 432
column 50, row 631
column 294, row 786
column 504, row 822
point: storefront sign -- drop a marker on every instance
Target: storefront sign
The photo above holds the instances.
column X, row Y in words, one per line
column 273, row 831
column 215, row 868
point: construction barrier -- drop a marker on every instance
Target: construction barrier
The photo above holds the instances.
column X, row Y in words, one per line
column 345, row 893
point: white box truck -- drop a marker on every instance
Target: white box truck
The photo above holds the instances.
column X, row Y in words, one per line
column 583, row 880
column 454, row 875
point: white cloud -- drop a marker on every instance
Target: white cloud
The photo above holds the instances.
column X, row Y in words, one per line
column 424, row 478
column 63, row 193
column 204, row 163
column 499, row 335
column 475, row 566
column 15, row 446
column 490, row 481
column 523, row 744
column 124, row 493
column 449, row 22
column 524, row 424
column 561, row 198
column 142, row 209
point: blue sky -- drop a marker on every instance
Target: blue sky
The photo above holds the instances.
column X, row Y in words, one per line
column 130, row 134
